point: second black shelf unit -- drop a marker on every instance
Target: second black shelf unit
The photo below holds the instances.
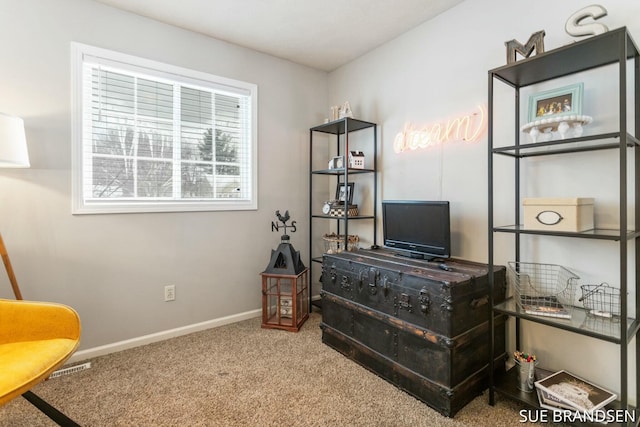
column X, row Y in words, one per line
column 339, row 132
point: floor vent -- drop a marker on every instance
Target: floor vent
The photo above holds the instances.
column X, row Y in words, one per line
column 70, row 370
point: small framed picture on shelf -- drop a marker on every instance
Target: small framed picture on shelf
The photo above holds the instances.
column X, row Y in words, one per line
column 344, row 192
column 553, row 103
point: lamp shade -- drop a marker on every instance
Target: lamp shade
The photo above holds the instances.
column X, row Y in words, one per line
column 13, row 143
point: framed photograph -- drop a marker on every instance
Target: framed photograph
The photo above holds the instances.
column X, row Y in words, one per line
column 575, row 392
column 557, row 102
column 344, row 192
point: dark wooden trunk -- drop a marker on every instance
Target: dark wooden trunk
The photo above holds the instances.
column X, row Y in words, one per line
column 424, row 329
column 419, row 292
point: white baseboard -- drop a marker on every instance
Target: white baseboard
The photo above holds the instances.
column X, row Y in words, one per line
column 161, row 336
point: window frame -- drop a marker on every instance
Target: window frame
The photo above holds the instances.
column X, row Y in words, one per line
column 160, row 70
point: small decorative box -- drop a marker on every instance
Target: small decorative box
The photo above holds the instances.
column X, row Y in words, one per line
column 561, row 214
column 337, row 209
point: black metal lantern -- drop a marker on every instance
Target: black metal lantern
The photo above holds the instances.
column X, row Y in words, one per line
column 285, row 285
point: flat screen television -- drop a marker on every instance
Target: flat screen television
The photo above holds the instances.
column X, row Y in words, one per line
column 418, row 229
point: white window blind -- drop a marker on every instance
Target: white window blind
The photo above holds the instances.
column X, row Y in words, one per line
column 153, row 137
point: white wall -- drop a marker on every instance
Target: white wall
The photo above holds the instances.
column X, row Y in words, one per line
column 113, row 268
column 438, row 71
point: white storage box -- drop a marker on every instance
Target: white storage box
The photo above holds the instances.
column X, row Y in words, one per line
column 566, row 214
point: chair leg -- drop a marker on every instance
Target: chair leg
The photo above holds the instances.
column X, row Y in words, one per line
column 7, row 265
column 51, row 412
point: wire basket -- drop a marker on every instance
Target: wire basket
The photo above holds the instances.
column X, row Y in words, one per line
column 601, row 325
column 334, row 243
column 601, row 300
column 543, row 289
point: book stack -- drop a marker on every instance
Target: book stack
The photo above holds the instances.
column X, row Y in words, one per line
column 563, row 391
column 548, row 306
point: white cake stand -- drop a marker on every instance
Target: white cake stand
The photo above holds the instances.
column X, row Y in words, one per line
column 541, row 130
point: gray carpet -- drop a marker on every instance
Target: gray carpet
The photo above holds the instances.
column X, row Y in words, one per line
column 240, row 375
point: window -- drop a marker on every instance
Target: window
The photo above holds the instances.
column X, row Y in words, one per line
column 151, row 137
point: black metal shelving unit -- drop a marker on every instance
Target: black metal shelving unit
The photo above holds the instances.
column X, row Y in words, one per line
column 615, row 48
column 339, row 131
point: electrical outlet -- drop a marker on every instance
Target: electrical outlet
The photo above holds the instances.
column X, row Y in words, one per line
column 170, row 292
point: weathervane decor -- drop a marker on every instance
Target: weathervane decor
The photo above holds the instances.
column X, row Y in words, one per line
column 283, row 219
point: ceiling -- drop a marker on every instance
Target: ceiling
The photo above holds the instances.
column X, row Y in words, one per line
column 322, row 34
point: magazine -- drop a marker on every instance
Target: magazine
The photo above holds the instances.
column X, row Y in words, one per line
column 544, row 306
column 549, row 401
column 570, row 390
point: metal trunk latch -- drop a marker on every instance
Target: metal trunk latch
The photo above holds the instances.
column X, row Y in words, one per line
column 424, row 300
column 345, row 283
column 404, row 302
column 333, row 273
column 373, row 279
column 385, row 285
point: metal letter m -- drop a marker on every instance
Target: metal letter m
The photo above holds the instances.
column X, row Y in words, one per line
column 536, row 41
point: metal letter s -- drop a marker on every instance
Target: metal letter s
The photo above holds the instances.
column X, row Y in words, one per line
column 575, row 29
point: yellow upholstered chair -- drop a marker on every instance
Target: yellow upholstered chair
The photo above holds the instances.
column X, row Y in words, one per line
column 36, row 338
